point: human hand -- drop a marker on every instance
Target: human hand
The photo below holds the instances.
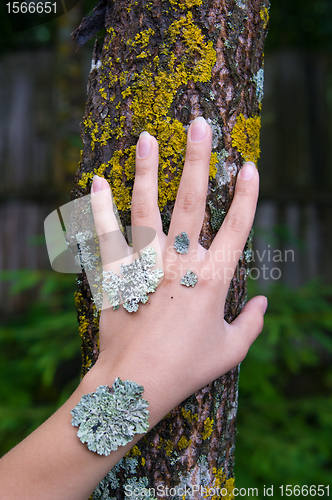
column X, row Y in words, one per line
column 179, row 341
column 173, row 345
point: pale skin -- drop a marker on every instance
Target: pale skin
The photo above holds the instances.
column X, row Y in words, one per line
column 159, row 345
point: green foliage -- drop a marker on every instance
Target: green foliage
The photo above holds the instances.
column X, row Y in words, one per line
column 285, row 403
column 39, row 353
column 302, row 24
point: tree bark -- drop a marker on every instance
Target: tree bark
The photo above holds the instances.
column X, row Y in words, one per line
column 161, row 64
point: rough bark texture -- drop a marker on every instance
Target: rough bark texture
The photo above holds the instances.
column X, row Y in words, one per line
column 162, row 63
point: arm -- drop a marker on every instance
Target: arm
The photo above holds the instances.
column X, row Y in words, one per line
column 158, row 346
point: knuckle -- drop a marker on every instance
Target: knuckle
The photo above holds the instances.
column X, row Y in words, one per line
column 98, row 208
column 142, row 168
column 244, row 190
column 140, row 210
column 194, row 157
column 236, row 223
column 189, row 201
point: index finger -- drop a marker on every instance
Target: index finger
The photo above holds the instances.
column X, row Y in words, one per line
column 113, row 246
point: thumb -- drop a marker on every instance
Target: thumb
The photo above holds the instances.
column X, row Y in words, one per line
column 248, row 325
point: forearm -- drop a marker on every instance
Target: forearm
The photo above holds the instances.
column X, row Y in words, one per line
column 52, row 463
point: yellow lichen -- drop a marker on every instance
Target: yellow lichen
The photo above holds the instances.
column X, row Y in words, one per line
column 169, row 447
column 83, row 326
column 264, row 15
column 135, row 451
column 208, row 428
column 143, row 461
column 88, row 363
column 245, row 135
column 221, row 482
column 188, row 415
column 213, row 163
column 185, row 4
column 141, row 39
column 183, row 443
column 151, row 97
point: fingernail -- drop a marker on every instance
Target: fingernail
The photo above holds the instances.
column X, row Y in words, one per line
column 265, row 305
column 247, row 171
column 97, row 184
column 198, row 130
column 144, row 145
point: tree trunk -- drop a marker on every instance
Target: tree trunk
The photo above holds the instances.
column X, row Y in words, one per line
column 161, row 64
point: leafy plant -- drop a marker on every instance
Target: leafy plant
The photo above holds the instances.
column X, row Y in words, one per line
column 39, row 353
column 285, row 403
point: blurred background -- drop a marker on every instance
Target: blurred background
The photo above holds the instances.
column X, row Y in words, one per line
column 285, row 393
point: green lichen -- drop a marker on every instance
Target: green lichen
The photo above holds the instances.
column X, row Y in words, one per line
column 189, row 279
column 181, row 243
column 110, row 417
column 258, row 79
column 138, row 489
column 245, row 137
column 137, row 280
column 217, row 217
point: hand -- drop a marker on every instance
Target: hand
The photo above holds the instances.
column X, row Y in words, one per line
column 178, row 341
column 173, row 345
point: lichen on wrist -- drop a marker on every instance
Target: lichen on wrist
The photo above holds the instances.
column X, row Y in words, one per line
column 110, row 417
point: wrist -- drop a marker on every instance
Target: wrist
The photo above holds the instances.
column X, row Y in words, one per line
column 157, row 392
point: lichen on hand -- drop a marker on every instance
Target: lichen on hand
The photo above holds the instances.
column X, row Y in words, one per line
column 137, row 280
column 110, row 417
column 181, row 243
column 189, row 279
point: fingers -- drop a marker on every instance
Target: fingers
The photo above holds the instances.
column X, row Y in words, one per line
column 144, row 208
column 230, row 240
column 113, row 246
column 190, row 202
column 245, row 329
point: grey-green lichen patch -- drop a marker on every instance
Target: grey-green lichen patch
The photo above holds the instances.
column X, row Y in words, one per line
column 217, row 217
column 138, row 489
column 232, row 413
column 241, row 4
column 189, row 279
column 259, row 82
column 110, row 417
column 87, row 255
column 225, row 171
column 111, row 480
column 212, row 95
column 182, row 243
column 102, row 491
column 137, row 280
column 216, row 132
column 247, row 253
